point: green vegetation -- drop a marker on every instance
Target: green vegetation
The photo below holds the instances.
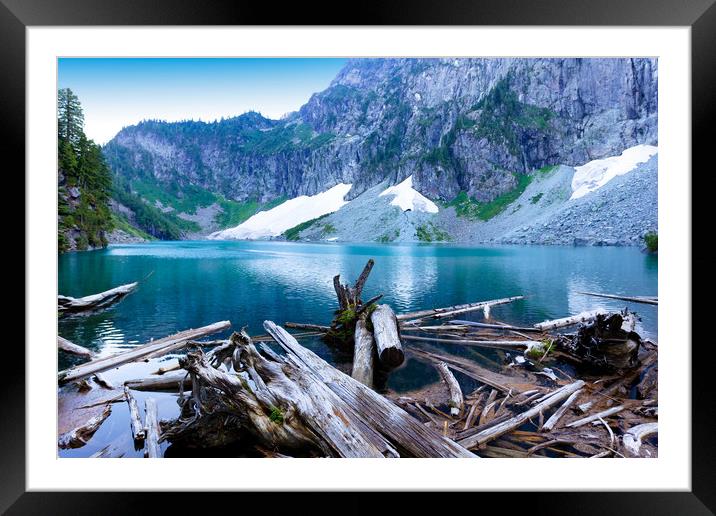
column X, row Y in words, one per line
column 283, row 138
column 651, row 240
column 120, row 222
column 538, row 351
column 83, row 210
column 535, row 198
column 504, row 119
column 388, row 237
column 294, row 232
column 471, row 209
column 431, row 233
column 276, row 415
column 150, row 219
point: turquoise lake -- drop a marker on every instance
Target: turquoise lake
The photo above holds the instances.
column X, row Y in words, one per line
column 190, row 284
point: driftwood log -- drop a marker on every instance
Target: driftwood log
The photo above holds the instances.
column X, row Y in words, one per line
column 72, row 348
column 152, row 429
column 364, row 354
column 456, row 399
column 649, row 300
column 410, row 436
column 138, row 431
column 282, row 404
column 67, row 305
column 439, row 313
column 568, row 321
column 387, row 339
column 154, row 348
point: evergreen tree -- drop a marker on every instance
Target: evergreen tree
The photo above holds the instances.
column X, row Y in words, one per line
column 85, row 184
column 70, row 119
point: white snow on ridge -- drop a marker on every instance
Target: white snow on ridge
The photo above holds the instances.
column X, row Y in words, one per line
column 408, row 198
column 286, row 215
column 595, row 174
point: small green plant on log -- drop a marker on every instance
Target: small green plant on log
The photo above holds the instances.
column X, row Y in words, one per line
column 350, row 309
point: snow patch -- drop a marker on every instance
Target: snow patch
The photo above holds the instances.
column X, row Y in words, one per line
column 595, row 174
column 407, row 198
column 295, row 211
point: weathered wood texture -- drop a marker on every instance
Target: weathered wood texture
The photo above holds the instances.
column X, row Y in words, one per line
column 456, row 399
column 152, row 429
column 402, row 429
column 449, row 311
column 387, row 339
column 81, row 411
column 164, row 345
column 633, row 437
column 568, row 321
column 511, row 424
column 552, row 422
column 363, row 354
column 282, row 403
column 69, row 347
column 66, row 304
column 138, row 431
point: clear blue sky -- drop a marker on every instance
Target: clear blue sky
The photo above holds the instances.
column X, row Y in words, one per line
column 116, row 92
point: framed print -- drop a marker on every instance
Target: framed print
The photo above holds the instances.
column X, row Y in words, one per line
column 430, row 236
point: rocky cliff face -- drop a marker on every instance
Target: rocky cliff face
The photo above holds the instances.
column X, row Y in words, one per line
column 455, row 125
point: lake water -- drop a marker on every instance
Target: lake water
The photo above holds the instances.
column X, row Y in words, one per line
column 192, row 284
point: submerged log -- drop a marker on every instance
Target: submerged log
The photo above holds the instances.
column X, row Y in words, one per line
column 568, row 321
column 81, row 410
column 364, row 354
column 403, row 430
column 164, row 345
column 495, row 344
column 456, row 399
column 152, row 429
column 66, row 304
column 79, row 436
column 72, row 348
column 165, row 382
column 387, row 339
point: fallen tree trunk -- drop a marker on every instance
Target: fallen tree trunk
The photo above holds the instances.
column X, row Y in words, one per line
column 649, row 300
column 72, row 348
column 402, row 429
column 456, row 399
column 278, row 401
column 387, row 340
column 496, row 431
column 568, row 321
column 138, row 432
column 437, row 313
column 66, row 304
column 363, row 356
column 554, row 419
column 494, row 344
column 152, row 429
column 164, row 345
column 165, row 382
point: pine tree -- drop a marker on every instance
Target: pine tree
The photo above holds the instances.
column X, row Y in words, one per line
column 70, row 119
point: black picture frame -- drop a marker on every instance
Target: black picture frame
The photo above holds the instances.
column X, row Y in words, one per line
column 700, row 15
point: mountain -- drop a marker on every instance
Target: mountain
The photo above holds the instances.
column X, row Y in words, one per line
column 463, row 130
